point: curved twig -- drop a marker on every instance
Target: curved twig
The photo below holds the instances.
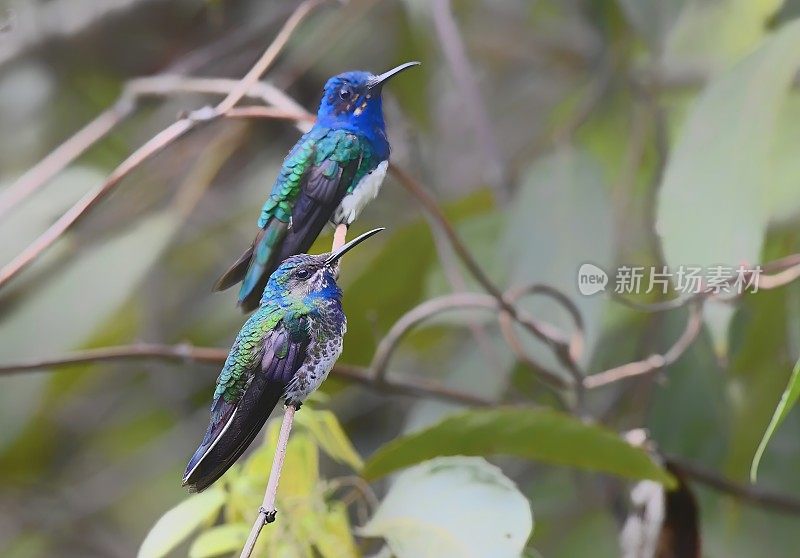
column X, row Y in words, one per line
column 417, row 315
column 546, row 332
column 655, row 362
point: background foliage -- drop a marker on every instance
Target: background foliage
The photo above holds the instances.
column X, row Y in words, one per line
column 608, row 123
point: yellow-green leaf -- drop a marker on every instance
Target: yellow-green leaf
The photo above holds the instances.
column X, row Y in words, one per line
column 540, row 434
column 301, row 468
column 330, row 436
column 220, row 540
column 177, row 524
column 788, row 400
column 335, row 539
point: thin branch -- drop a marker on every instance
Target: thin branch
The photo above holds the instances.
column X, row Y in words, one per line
column 267, row 511
column 133, row 91
column 269, row 56
column 545, row 332
column 655, row 362
column 426, row 310
column 70, row 150
column 749, row 493
column 185, row 354
column 456, row 57
column 150, row 148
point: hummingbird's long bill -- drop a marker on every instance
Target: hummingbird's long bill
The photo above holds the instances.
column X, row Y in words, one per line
column 379, row 80
column 338, row 253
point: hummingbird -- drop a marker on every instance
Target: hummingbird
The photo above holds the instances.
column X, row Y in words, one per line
column 284, row 351
column 330, row 174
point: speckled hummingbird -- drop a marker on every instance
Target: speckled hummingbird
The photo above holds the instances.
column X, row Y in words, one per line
column 332, row 172
column 284, row 350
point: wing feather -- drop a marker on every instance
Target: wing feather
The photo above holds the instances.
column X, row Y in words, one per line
column 235, row 423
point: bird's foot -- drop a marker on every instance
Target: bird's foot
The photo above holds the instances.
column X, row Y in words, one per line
column 269, row 516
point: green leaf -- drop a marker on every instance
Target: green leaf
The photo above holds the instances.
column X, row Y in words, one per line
column 222, row 539
column 788, row 399
column 565, row 189
column 653, row 19
column 453, row 507
column 714, row 34
column 539, row 434
column 62, row 319
column 329, row 435
column 335, row 537
column 724, row 155
column 177, row 524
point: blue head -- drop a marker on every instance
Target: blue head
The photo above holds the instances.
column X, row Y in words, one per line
column 307, row 279
column 352, row 101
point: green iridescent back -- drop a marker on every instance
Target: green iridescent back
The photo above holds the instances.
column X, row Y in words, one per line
column 316, row 148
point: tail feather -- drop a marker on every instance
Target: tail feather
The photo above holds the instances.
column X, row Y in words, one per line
column 235, row 272
column 265, row 257
column 222, row 447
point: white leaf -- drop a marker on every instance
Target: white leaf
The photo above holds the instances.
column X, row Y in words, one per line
column 459, row 507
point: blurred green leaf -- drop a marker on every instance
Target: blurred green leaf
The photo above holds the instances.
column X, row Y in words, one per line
column 539, row 434
column 724, row 153
column 329, row 435
column 177, row 524
column 560, row 219
column 401, row 285
column 759, row 332
column 301, row 468
column 788, row 400
column 219, row 540
column 56, row 317
column 453, row 507
column 714, row 34
column 334, row 539
column 653, row 19
column 785, row 164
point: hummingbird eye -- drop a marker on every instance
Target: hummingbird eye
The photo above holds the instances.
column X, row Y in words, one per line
column 302, row 273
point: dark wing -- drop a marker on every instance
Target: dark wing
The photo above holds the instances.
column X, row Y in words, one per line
column 319, row 197
column 318, row 192
column 235, row 424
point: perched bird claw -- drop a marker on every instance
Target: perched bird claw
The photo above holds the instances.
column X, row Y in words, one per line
column 269, row 516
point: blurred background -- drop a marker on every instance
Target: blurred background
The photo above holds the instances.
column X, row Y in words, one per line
column 552, row 133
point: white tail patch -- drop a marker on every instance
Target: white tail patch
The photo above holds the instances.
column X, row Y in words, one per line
column 214, row 443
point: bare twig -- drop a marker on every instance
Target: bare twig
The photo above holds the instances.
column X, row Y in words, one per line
column 545, row 332
column 51, row 165
column 748, row 493
column 655, row 362
column 150, row 148
column 267, row 511
column 456, row 56
column 185, row 353
column 429, row 308
column 269, row 56
column 136, row 89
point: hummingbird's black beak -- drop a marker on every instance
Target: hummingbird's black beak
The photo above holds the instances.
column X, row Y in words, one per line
column 378, row 81
column 336, row 254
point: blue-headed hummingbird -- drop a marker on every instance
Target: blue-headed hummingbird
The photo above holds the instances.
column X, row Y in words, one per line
column 284, row 351
column 330, row 174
